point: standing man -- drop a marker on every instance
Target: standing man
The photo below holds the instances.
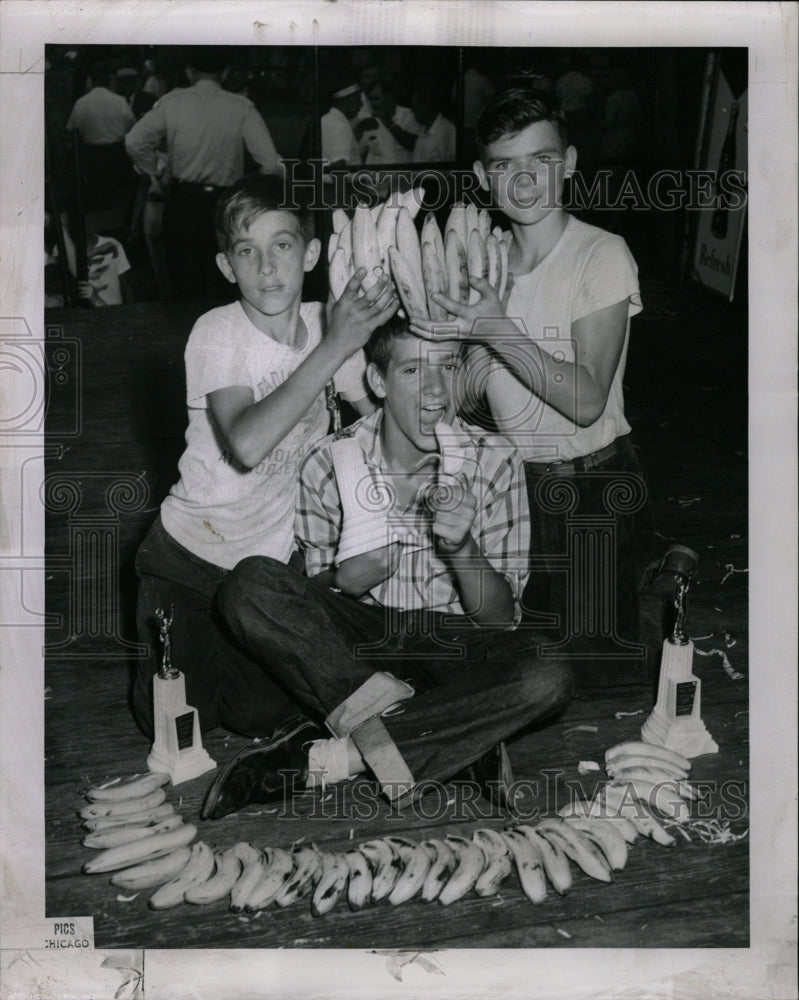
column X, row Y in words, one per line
column 339, row 145
column 395, row 132
column 206, row 130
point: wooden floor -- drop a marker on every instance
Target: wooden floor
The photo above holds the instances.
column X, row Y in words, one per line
column 686, row 398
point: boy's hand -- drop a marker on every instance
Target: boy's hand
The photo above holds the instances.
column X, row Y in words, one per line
column 357, row 576
column 469, row 321
column 354, row 317
column 455, row 510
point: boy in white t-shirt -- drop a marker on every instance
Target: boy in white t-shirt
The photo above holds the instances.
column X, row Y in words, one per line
column 550, row 360
column 256, row 372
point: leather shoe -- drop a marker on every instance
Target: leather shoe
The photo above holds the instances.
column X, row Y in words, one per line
column 262, row 773
column 492, row 773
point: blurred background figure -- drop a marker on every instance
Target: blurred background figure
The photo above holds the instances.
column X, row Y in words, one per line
column 99, row 122
column 370, row 74
column 437, row 141
column 340, row 146
column 206, row 130
column 147, row 219
column 108, row 281
column 390, row 134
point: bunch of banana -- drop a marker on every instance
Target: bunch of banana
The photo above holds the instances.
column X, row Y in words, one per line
column 655, row 775
column 137, row 834
column 386, row 237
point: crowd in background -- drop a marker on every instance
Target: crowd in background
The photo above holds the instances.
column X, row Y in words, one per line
column 149, row 162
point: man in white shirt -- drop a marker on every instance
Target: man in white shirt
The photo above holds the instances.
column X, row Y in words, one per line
column 394, row 129
column 206, row 130
column 339, row 145
column 437, row 141
column 102, row 118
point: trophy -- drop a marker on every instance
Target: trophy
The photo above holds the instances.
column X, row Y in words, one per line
column 177, row 749
column 676, row 720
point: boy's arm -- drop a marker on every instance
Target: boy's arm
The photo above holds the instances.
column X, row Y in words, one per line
column 252, row 429
column 579, row 389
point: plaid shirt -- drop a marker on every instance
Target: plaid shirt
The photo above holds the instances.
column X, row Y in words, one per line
column 494, row 475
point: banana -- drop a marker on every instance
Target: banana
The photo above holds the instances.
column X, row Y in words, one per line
column 387, row 231
column 227, row 869
column 332, row 246
column 119, row 835
column 483, row 223
column 472, row 219
column 386, row 866
column 498, row 862
column 476, row 261
column 123, row 807
column 618, row 800
column 456, row 223
column 457, row 271
column 410, row 291
column 607, row 838
column 661, row 796
column 529, row 865
column 253, row 865
column 431, row 233
column 504, row 268
column 577, row 846
column 359, row 884
column 278, row 870
column 152, row 873
column 345, row 242
column 435, row 280
column 411, row 201
column 416, row 861
column 307, row 870
column 340, row 220
column 640, row 748
column 555, row 863
column 143, row 818
column 471, row 862
column 365, row 247
column 408, row 245
column 338, row 273
column 335, row 872
column 443, row 864
column 597, row 808
column 135, row 787
column 197, row 871
column 492, row 256
column 654, row 775
column 627, row 762
column 452, row 446
column 141, row 850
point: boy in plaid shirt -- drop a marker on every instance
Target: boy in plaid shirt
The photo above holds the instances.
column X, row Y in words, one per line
column 415, row 531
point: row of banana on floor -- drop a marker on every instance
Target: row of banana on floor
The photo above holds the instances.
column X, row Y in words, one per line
column 146, row 845
column 420, row 263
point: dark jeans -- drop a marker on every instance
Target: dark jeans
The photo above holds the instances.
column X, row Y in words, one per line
column 225, row 686
column 474, row 687
column 190, row 242
column 590, row 542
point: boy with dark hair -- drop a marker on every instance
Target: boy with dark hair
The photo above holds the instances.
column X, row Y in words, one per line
column 551, row 359
column 415, row 534
column 256, row 372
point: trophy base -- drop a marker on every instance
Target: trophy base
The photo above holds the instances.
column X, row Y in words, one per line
column 186, row 767
column 687, row 736
column 177, row 749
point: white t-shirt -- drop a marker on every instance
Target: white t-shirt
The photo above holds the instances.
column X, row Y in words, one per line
column 587, row 269
column 219, row 509
column 101, row 117
column 436, row 144
column 338, row 138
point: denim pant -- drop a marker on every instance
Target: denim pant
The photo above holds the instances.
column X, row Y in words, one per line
column 225, row 686
column 474, row 687
column 590, row 541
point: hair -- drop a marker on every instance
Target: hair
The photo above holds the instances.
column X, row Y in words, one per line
column 512, row 110
column 250, row 197
column 378, row 348
column 208, row 58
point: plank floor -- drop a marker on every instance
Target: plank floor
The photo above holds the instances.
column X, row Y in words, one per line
column 685, row 391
